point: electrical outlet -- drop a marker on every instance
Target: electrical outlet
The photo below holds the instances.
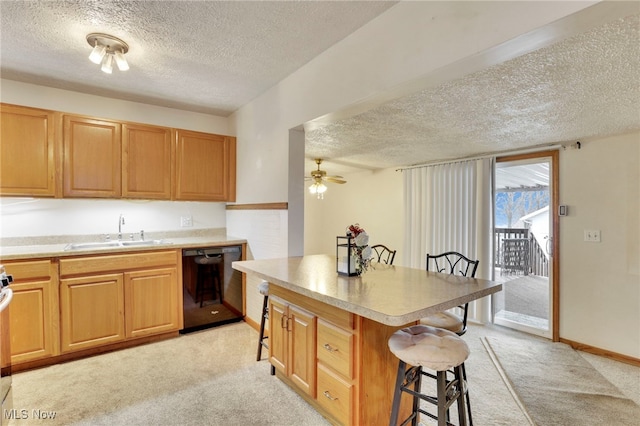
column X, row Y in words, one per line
column 592, row 235
column 186, row 221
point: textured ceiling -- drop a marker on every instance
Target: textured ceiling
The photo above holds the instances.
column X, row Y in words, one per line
column 204, row 56
column 585, row 86
column 213, row 57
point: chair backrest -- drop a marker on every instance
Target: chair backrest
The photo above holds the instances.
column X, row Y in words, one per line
column 383, row 254
column 454, row 263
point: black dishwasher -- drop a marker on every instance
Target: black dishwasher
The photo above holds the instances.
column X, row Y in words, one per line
column 205, row 303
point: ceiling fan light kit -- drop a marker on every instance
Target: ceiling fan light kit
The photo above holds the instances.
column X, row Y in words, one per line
column 106, row 49
column 319, row 177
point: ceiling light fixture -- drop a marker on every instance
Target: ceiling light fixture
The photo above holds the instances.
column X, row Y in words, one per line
column 318, row 188
column 106, row 48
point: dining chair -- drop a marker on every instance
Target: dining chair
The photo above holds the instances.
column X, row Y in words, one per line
column 382, row 254
column 454, row 263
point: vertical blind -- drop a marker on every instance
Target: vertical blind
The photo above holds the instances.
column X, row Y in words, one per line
column 448, row 207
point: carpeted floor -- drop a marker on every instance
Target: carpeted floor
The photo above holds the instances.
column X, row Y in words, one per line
column 541, row 373
column 211, row 377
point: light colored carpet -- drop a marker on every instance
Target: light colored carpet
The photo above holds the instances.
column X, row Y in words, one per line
column 557, row 386
column 211, row 377
column 204, row 378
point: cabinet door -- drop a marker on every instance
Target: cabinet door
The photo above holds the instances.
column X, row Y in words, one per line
column 92, row 311
column 92, row 158
column 151, row 302
column 205, row 166
column 146, row 162
column 27, row 151
column 31, row 321
column 278, row 335
column 302, row 349
column 33, row 313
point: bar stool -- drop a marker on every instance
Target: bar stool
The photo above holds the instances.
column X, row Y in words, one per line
column 436, row 349
column 208, row 267
column 263, row 288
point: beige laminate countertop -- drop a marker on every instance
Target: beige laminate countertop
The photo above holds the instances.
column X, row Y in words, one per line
column 391, row 295
column 49, row 247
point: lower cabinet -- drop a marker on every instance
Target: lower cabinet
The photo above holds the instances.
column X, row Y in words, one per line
column 151, row 302
column 314, row 346
column 139, row 297
column 292, row 343
column 92, row 311
column 33, row 312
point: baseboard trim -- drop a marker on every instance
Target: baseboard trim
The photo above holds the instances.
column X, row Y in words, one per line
column 602, row 352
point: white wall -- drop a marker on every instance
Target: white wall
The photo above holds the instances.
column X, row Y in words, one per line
column 43, row 217
column 372, row 199
column 600, row 282
column 412, row 41
column 36, row 217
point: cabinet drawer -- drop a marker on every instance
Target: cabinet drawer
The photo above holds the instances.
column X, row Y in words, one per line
column 334, row 395
column 117, row 262
column 29, row 270
column 335, row 348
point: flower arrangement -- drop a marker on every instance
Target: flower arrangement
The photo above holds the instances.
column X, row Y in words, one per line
column 361, row 251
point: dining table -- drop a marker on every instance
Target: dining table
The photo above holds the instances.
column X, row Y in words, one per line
column 378, row 302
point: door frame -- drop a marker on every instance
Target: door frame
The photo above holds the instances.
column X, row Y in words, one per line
column 554, row 200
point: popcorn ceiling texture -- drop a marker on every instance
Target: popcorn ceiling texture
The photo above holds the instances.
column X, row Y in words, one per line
column 585, row 86
column 213, row 57
column 204, row 56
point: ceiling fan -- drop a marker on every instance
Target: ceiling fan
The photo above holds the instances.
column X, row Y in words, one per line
column 319, row 177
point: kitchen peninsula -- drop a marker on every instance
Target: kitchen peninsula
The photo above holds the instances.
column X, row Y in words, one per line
column 328, row 333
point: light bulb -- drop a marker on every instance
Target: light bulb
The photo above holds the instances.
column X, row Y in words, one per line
column 121, row 61
column 97, row 53
column 107, row 64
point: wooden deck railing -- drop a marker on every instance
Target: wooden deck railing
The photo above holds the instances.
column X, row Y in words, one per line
column 531, row 259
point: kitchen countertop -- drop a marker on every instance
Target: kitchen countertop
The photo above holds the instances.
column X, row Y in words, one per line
column 391, row 295
column 54, row 246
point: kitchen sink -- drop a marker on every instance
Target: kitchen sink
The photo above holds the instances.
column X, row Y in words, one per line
column 114, row 244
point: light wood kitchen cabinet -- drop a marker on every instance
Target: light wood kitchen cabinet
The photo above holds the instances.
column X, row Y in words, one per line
column 27, row 152
column 114, row 297
column 334, row 357
column 92, row 311
column 147, row 156
column 33, row 313
column 292, row 344
column 92, row 157
column 205, row 167
column 151, row 302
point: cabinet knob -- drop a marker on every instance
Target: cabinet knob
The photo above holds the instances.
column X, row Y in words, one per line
column 330, row 348
column 328, row 396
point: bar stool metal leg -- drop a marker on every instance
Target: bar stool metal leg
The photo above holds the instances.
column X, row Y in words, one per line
column 265, row 315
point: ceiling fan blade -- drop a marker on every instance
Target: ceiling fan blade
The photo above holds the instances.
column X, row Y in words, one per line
column 334, row 180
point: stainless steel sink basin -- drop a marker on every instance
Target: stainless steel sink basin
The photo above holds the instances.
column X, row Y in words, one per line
column 114, row 244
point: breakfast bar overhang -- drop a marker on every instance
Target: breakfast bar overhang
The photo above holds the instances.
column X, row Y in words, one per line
column 328, row 332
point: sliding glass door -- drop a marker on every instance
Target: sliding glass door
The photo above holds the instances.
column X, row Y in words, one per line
column 525, row 225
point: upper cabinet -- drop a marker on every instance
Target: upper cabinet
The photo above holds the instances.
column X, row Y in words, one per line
column 92, row 158
column 51, row 154
column 205, row 167
column 27, row 152
column 146, row 162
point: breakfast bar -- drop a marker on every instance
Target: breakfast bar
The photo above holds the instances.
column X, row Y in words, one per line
column 328, row 332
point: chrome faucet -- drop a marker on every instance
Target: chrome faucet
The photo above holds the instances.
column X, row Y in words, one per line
column 120, row 223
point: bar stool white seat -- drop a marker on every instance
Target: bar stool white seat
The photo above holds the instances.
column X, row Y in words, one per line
column 436, row 349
